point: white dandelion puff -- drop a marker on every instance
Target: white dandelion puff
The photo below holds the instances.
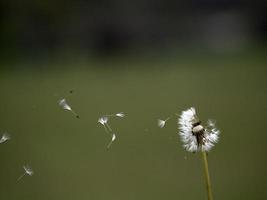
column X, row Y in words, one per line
column 194, row 136
column 63, row 104
column 5, row 137
column 27, row 171
column 161, row 123
column 112, row 140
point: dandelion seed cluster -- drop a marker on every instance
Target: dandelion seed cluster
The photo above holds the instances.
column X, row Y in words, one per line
column 194, row 136
column 104, row 121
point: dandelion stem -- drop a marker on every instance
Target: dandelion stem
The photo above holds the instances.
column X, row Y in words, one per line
column 207, row 176
column 109, row 144
column 106, row 130
column 167, row 119
column 74, row 113
column 109, row 128
column 21, row 176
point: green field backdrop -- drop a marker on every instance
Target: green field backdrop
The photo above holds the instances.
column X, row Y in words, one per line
column 69, row 155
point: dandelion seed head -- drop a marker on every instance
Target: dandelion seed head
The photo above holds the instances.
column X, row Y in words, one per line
column 194, row 136
column 5, row 137
column 63, row 104
column 28, row 170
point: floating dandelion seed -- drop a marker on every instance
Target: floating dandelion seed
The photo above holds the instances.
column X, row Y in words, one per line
column 5, row 137
column 63, row 103
column 121, row 114
column 161, row 123
column 196, row 137
column 112, row 140
column 103, row 120
column 27, row 171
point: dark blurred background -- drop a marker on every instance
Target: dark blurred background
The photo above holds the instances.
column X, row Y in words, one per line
column 149, row 59
column 111, row 27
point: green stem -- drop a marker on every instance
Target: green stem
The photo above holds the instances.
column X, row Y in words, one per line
column 207, row 175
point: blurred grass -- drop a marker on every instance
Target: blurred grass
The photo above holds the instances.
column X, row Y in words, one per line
column 69, row 155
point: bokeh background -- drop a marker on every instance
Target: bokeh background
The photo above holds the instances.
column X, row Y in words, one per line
column 149, row 59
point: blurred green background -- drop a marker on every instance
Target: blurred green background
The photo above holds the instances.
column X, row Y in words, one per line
column 69, row 155
column 149, row 59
